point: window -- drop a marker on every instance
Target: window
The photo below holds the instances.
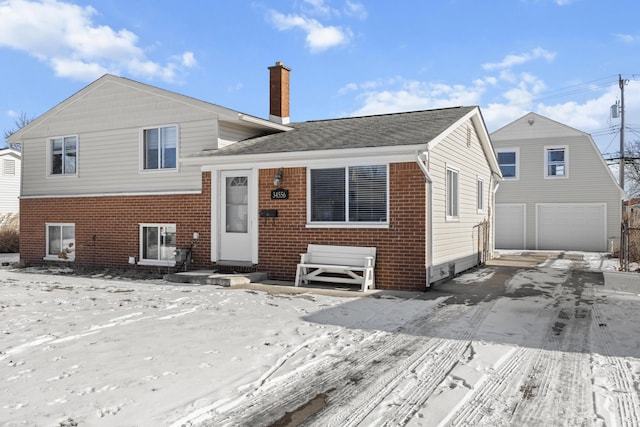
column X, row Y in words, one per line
column 157, row 244
column 160, row 148
column 480, row 195
column 452, row 193
column 508, row 161
column 356, row 194
column 64, row 155
column 61, row 242
column 555, row 161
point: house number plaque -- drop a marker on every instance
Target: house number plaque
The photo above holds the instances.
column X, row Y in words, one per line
column 279, row 194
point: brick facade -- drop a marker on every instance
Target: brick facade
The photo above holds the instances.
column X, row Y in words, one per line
column 400, row 259
column 107, row 228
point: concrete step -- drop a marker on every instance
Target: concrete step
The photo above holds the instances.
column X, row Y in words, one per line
column 211, row 277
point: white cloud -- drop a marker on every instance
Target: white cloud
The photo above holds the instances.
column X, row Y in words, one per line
column 513, row 60
column 352, row 8
column 627, row 38
column 318, row 36
column 64, row 36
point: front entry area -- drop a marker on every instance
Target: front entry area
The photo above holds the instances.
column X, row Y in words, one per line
column 236, row 225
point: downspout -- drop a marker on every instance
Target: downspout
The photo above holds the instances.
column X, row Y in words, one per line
column 492, row 209
column 427, row 175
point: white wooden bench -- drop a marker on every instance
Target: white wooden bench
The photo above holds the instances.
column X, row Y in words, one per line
column 354, row 262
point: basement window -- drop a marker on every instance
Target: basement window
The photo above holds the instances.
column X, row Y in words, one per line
column 157, row 244
column 61, row 242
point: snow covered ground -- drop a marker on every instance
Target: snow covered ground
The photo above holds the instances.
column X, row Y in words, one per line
column 551, row 345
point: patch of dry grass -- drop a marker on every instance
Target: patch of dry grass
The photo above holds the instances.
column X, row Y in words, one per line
column 9, row 233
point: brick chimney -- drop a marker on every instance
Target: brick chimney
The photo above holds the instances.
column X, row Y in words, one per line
column 279, row 93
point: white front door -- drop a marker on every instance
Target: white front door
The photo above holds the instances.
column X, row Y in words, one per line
column 235, row 219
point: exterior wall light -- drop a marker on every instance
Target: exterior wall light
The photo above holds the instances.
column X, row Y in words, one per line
column 277, row 178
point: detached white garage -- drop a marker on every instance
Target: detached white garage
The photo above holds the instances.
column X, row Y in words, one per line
column 571, row 226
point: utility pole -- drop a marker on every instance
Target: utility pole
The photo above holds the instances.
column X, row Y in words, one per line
column 621, row 83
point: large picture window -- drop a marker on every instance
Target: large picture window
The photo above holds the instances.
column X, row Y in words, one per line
column 61, row 242
column 160, row 147
column 355, row 194
column 157, row 244
column 64, row 155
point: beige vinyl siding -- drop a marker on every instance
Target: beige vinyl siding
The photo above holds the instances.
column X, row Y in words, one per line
column 9, row 184
column 588, row 180
column 451, row 237
column 108, row 123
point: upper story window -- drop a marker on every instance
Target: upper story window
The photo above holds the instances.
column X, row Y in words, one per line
column 160, row 147
column 64, row 155
column 453, row 192
column 349, row 195
column 555, row 162
column 508, row 159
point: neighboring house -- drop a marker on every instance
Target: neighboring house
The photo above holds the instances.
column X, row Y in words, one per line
column 123, row 174
column 10, row 165
column 557, row 192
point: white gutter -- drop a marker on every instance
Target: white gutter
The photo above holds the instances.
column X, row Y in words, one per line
column 492, row 215
column 429, row 212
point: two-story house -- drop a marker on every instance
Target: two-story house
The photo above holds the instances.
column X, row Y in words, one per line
column 122, row 174
column 558, row 193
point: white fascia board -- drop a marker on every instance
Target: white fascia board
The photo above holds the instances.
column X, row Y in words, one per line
column 350, row 156
column 262, row 122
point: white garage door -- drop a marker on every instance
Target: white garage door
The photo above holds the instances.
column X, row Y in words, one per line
column 510, row 231
column 569, row 226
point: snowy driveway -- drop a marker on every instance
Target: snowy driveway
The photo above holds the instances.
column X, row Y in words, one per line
column 546, row 345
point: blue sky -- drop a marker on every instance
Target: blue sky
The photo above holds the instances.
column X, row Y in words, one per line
column 560, row 58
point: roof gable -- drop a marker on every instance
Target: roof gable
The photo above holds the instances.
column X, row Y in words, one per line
column 114, row 101
column 533, row 125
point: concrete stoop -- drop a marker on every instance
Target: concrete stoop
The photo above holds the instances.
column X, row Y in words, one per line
column 211, row 277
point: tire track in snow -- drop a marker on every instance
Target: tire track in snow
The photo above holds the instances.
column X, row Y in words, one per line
column 626, row 401
column 397, row 394
column 556, row 387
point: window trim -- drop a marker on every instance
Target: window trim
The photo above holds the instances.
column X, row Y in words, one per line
column 515, row 150
column 154, row 262
column 448, row 214
column 480, row 205
column 72, row 254
column 548, row 148
column 346, row 223
column 142, row 148
column 49, row 172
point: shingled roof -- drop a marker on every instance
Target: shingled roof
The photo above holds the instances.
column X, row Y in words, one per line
column 417, row 127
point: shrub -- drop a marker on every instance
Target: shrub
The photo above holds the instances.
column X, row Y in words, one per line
column 9, row 233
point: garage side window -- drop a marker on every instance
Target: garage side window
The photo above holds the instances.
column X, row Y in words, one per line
column 508, row 159
column 61, row 242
